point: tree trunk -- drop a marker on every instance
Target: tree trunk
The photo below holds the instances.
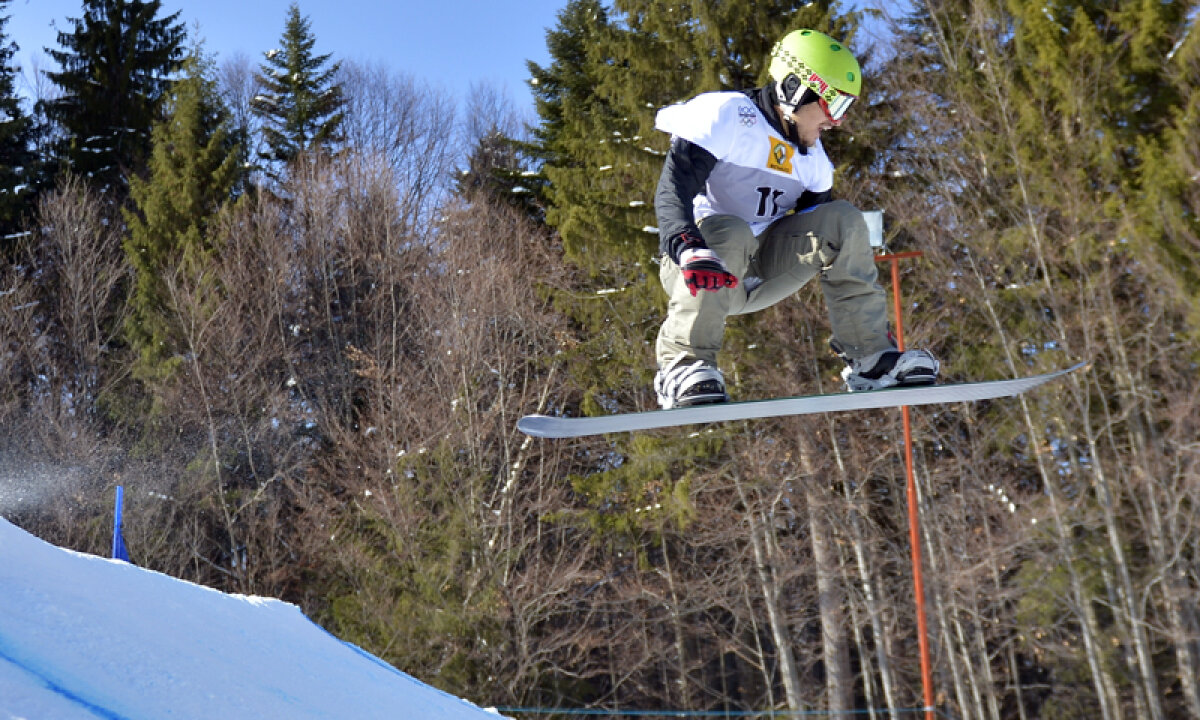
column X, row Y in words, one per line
column 831, row 596
column 866, row 578
column 1128, row 596
column 676, row 613
column 1180, row 616
column 760, row 529
column 1102, row 679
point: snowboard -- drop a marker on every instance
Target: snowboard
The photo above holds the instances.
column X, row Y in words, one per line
column 553, row 426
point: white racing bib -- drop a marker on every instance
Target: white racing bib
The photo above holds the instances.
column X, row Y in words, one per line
column 759, row 176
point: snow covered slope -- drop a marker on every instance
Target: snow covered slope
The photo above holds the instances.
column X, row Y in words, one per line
column 86, row 637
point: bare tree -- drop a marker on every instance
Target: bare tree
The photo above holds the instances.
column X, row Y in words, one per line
column 75, row 260
column 407, row 124
column 490, row 110
column 237, row 84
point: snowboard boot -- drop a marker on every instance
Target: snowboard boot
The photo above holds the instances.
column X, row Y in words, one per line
column 682, row 384
column 888, row 368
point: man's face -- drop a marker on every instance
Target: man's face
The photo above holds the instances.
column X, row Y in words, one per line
column 810, row 120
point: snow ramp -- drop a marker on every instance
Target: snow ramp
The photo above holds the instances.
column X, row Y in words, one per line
column 86, row 637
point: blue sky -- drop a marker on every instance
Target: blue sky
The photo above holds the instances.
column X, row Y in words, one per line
column 447, row 43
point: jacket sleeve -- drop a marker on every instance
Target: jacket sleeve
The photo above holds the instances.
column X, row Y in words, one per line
column 808, row 199
column 684, row 174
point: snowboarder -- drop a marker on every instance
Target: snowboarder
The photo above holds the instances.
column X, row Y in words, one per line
column 746, row 218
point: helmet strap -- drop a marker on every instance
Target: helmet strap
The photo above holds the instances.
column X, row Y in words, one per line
column 787, row 125
column 790, row 131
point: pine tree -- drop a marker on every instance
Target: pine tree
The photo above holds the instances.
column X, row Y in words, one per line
column 1165, row 186
column 116, row 64
column 301, row 103
column 588, row 198
column 194, row 168
column 495, row 171
column 573, row 120
column 16, row 140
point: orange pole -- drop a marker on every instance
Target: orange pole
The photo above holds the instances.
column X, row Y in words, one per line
column 914, row 532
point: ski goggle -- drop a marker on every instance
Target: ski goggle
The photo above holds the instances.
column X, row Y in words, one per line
column 834, row 102
column 836, row 109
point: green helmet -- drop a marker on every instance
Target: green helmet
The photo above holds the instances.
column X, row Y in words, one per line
column 807, row 59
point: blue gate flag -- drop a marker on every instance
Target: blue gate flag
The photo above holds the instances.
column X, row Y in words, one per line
column 118, row 549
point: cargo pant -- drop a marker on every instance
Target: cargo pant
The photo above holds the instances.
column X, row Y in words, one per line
column 830, row 240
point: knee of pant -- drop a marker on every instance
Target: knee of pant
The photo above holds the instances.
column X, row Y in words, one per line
column 725, row 229
column 851, row 225
column 731, row 238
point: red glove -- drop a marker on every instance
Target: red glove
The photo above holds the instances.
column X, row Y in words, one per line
column 703, row 269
